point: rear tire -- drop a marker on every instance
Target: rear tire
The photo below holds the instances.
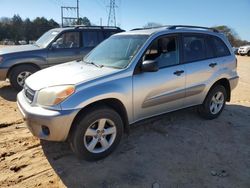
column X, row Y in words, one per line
column 214, row 103
column 96, row 134
column 19, row 74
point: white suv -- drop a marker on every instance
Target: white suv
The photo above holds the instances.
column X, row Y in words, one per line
column 244, row 50
column 129, row 77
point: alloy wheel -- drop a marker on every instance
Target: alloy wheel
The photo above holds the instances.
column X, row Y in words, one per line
column 100, row 135
column 22, row 76
column 217, row 103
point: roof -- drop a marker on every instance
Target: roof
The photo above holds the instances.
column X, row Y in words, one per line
column 87, row 27
column 176, row 28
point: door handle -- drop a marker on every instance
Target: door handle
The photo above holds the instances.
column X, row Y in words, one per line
column 212, row 65
column 179, row 72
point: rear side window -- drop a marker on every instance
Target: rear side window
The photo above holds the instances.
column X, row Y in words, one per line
column 194, row 48
column 220, row 49
column 91, row 38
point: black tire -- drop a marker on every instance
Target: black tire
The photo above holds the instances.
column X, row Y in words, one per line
column 17, row 71
column 248, row 53
column 204, row 109
column 77, row 135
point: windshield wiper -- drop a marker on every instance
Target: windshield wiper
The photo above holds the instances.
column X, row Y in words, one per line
column 92, row 63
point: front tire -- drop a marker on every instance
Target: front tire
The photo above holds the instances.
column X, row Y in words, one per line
column 96, row 134
column 19, row 74
column 214, row 103
column 248, row 53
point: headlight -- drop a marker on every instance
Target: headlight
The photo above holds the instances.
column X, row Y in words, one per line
column 54, row 95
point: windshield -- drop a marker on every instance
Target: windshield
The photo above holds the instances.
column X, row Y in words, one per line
column 46, row 38
column 116, row 51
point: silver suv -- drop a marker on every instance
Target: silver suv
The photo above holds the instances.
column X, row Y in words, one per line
column 129, row 77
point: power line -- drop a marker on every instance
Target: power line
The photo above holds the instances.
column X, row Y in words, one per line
column 112, row 18
column 70, row 19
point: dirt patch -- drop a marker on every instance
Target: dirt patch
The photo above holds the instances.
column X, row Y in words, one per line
column 175, row 150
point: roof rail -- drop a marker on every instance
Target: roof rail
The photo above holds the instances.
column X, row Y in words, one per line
column 191, row 26
column 96, row 27
column 142, row 28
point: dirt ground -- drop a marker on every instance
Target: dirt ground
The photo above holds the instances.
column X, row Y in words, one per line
column 174, row 150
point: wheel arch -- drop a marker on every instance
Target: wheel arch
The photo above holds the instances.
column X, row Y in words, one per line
column 21, row 64
column 226, row 84
column 113, row 103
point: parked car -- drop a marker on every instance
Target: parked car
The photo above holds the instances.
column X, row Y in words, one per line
column 244, row 50
column 127, row 78
column 22, row 42
column 56, row 46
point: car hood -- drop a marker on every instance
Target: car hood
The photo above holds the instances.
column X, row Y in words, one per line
column 21, row 48
column 246, row 46
column 68, row 73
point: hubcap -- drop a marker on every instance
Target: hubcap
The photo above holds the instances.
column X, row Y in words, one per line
column 100, row 135
column 217, row 103
column 22, row 76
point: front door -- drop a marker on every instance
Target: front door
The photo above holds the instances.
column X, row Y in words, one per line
column 162, row 91
column 65, row 49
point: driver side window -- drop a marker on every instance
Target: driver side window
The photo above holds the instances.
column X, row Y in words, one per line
column 68, row 40
column 163, row 50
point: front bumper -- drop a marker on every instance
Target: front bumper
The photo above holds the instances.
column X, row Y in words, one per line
column 58, row 122
column 3, row 73
column 242, row 52
column 233, row 82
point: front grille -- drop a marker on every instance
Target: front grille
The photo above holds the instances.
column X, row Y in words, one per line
column 29, row 93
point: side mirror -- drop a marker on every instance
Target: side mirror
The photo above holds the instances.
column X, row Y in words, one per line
column 149, row 66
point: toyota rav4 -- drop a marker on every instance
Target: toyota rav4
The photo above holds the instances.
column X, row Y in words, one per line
column 129, row 77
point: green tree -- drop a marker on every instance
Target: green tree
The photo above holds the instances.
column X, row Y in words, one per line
column 28, row 30
column 17, row 29
column 84, row 21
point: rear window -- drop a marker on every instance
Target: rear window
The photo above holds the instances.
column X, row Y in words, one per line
column 220, row 49
column 194, row 48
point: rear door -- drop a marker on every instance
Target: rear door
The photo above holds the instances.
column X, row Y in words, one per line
column 202, row 65
column 65, row 49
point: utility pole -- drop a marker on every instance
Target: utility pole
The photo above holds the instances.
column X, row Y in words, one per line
column 111, row 18
column 68, row 18
column 77, row 6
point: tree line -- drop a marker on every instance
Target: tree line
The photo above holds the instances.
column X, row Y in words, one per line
column 16, row 29
column 232, row 36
